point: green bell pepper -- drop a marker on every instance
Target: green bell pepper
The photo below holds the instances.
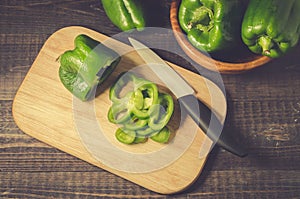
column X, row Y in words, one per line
column 211, row 25
column 271, row 27
column 125, row 14
column 86, row 66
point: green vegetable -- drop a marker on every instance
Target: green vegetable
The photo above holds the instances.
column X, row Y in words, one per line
column 162, row 136
column 211, row 25
column 137, row 101
column 271, row 27
column 125, row 14
column 86, row 66
column 160, row 113
column 139, row 140
column 139, row 107
column 126, row 137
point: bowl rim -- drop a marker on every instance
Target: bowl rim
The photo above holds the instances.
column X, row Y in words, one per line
column 204, row 60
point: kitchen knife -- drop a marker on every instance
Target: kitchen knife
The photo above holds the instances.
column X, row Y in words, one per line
column 199, row 112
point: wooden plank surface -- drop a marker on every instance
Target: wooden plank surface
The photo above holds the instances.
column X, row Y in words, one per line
column 263, row 106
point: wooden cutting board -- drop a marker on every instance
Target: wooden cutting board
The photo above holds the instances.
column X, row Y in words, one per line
column 45, row 110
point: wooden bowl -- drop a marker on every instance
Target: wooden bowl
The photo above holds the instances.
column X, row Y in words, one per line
column 225, row 63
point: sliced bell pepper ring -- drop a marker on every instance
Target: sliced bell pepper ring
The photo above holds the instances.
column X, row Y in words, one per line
column 145, row 132
column 135, row 123
column 162, row 112
column 139, row 140
column 121, row 82
column 125, row 136
column 162, row 136
column 118, row 114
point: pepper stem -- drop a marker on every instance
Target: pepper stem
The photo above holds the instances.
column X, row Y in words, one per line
column 202, row 19
column 266, row 44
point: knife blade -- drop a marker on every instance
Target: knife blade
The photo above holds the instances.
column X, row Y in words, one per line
column 202, row 115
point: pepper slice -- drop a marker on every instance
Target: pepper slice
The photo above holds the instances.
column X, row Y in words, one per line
column 118, row 113
column 162, row 112
column 135, row 123
column 125, row 136
column 145, row 132
column 86, row 66
column 211, row 25
column 162, row 136
column 139, row 140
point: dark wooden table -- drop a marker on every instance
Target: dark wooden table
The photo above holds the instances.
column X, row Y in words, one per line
column 264, row 107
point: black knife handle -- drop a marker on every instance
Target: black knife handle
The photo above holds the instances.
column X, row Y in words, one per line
column 210, row 124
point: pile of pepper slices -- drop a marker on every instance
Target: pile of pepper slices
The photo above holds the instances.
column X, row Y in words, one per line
column 267, row 27
column 140, row 109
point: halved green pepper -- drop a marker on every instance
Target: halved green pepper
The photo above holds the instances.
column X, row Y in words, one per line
column 86, row 66
column 271, row 27
column 211, row 25
column 125, row 14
